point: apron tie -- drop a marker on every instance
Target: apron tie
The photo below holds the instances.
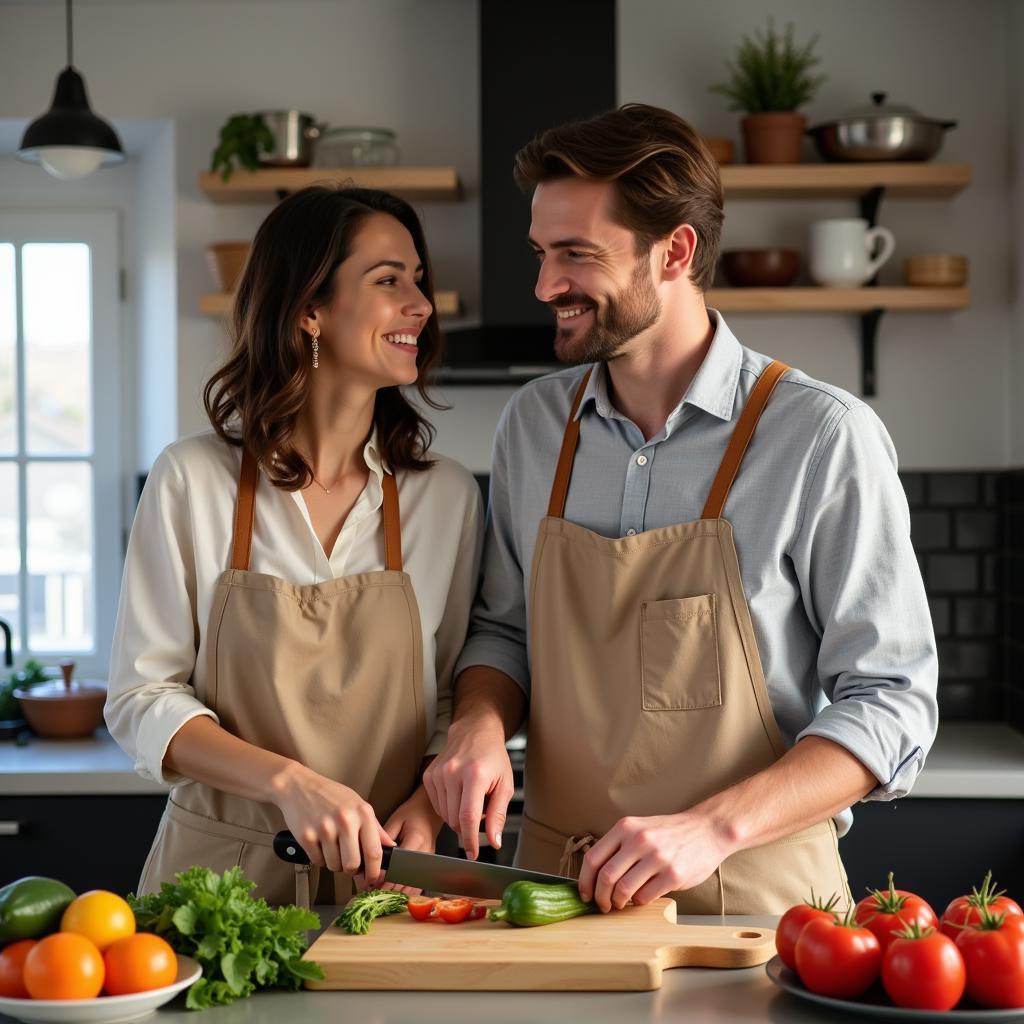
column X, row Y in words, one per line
column 571, row 862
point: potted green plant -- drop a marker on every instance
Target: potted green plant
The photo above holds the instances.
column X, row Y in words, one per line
column 770, row 79
column 242, row 138
column 12, row 720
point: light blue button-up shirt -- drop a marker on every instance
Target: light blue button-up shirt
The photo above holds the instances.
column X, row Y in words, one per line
column 821, row 527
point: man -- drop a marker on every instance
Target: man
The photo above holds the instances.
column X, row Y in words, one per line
column 719, row 626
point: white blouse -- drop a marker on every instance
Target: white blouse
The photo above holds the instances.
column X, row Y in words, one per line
column 181, row 543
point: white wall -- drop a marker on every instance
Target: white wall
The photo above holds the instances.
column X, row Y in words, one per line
column 404, row 64
column 1015, row 49
column 943, row 384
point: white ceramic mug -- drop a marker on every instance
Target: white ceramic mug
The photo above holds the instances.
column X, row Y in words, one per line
column 841, row 251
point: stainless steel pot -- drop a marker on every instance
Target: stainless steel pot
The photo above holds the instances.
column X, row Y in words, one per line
column 881, row 131
column 294, row 134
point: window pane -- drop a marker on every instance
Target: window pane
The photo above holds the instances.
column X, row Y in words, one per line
column 60, row 556
column 10, row 548
column 56, row 292
column 8, row 350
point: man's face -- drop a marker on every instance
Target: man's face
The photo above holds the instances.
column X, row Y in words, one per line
column 601, row 292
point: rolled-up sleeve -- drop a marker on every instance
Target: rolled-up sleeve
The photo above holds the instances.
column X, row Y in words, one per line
column 149, row 695
column 451, row 633
column 863, row 593
column 497, row 630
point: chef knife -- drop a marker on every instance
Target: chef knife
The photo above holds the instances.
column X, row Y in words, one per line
column 434, row 872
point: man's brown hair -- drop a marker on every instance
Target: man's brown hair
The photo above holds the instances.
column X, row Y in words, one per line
column 663, row 173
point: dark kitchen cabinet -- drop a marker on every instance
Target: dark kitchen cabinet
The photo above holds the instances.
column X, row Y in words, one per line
column 937, row 847
column 88, row 842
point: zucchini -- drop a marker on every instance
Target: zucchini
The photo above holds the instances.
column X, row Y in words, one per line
column 528, row 904
column 31, row 907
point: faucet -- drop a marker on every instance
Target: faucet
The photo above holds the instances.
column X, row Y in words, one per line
column 8, row 649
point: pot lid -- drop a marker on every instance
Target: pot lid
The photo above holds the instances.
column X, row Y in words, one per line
column 878, row 108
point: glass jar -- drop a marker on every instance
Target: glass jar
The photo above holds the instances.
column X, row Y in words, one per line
column 356, row 147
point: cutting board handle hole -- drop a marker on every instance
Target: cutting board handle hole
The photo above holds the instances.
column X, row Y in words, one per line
column 748, row 935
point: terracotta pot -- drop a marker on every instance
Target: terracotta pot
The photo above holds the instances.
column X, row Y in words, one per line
column 773, row 137
column 721, row 149
column 63, row 709
column 227, row 261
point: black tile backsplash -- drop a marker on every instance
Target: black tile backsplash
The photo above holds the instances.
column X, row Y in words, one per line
column 1011, row 579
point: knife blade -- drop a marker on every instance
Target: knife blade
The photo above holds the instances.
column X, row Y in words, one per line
column 434, row 872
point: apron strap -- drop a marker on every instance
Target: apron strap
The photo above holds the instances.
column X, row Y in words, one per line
column 741, row 438
column 392, row 524
column 245, row 506
column 560, row 487
column 245, row 509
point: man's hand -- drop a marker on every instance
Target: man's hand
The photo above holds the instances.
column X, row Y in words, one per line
column 474, row 766
column 415, row 826
column 640, row 859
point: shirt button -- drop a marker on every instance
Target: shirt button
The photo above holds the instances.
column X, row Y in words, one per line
column 631, row 533
column 641, row 460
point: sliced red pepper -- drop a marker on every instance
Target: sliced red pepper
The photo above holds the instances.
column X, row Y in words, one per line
column 479, row 910
column 422, row 907
column 455, row 911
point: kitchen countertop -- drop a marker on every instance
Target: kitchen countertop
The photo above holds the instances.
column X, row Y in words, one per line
column 968, row 759
column 693, row 994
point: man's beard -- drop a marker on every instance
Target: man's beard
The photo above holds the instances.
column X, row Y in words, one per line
column 625, row 316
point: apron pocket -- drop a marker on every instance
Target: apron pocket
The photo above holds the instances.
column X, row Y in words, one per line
column 679, row 654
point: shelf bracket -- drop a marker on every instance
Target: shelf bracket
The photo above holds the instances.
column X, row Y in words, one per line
column 281, row 193
column 868, row 334
column 869, row 203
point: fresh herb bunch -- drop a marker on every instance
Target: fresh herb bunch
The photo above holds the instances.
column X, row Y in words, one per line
column 242, row 943
column 771, row 73
column 31, row 673
column 365, row 907
column 242, row 138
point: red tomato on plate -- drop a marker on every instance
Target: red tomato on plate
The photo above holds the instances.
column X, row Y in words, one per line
column 793, row 921
column 923, row 969
column 887, row 911
column 837, row 958
column 993, row 953
column 966, row 910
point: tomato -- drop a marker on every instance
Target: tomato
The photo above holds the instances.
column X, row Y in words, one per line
column 923, row 969
column 965, row 910
column 422, row 907
column 138, row 963
column 455, row 911
column 478, row 911
column 993, row 953
column 12, row 963
column 64, row 966
column 102, row 917
column 792, row 923
column 888, row 911
column 837, row 958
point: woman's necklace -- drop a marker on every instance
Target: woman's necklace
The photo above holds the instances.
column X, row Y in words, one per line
column 326, row 490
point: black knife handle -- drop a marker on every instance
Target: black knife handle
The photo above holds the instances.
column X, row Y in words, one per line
column 289, row 849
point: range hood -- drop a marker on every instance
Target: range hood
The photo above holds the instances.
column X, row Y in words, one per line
column 542, row 62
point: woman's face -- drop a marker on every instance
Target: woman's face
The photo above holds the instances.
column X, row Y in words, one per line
column 369, row 331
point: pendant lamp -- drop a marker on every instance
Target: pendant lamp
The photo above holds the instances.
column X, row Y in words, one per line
column 69, row 140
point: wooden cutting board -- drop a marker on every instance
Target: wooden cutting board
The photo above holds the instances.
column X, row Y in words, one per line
column 621, row 951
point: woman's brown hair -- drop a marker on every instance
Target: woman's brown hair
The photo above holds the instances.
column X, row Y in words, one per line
column 255, row 398
column 663, row 173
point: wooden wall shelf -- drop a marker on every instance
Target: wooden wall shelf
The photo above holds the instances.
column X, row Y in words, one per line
column 219, row 304
column 836, row 300
column 273, row 183
column 823, row 181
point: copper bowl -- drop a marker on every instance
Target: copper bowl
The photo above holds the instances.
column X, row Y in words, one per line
column 63, row 709
column 760, row 268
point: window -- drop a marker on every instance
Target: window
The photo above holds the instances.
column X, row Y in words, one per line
column 60, row 438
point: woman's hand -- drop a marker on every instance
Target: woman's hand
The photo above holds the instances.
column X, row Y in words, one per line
column 415, row 826
column 336, row 827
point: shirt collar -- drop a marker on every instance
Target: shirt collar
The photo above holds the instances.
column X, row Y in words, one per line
column 374, row 457
column 713, row 389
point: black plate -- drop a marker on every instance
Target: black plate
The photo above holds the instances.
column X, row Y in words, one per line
column 875, row 1003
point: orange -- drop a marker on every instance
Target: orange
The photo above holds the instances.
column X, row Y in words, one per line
column 139, row 963
column 12, row 962
column 63, row 966
column 102, row 917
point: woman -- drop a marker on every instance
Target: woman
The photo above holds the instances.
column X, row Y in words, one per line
column 298, row 580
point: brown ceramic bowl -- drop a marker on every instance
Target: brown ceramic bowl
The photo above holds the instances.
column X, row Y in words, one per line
column 63, row 709
column 760, row 268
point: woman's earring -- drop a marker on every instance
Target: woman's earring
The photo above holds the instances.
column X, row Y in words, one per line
column 316, row 348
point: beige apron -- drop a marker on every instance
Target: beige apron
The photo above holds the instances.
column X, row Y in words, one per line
column 328, row 674
column 648, row 694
